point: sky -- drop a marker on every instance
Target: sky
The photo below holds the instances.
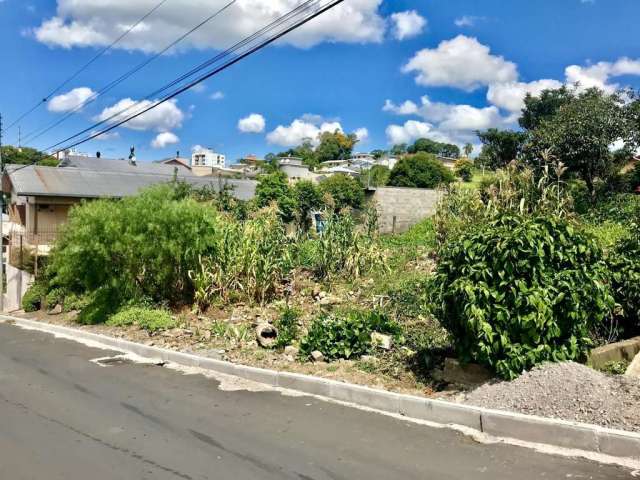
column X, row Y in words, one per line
column 389, row 71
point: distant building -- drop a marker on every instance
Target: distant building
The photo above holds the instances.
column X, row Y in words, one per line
column 295, row 169
column 205, row 162
column 176, row 161
column 448, row 162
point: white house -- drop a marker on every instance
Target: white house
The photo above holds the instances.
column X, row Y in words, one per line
column 205, row 157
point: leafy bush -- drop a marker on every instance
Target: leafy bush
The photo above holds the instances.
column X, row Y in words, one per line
column 308, row 198
column 422, row 170
column 464, row 169
column 522, row 290
column 287, row 325
column 274, row 188
column 621, row 208
column 32, row 299
column 149, row 319
column 624, row 264
column 343, row 191
column 457, row 211
column 138, row 248
column 346, row 335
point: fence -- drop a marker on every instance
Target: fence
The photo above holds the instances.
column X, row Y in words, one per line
column 26, row 249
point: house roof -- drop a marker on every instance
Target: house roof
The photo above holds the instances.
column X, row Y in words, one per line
column 186, row 162
column 122, row 166
column 35, row 181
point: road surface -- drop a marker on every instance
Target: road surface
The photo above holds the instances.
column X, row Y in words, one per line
column 64, row 417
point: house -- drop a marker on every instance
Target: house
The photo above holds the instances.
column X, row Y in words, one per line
column 40, row 197
column 448, row 162
column 205, row 161
column 176, row 161
column 295, row 169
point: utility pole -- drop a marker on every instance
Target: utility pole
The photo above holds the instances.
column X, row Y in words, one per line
column 1, row 223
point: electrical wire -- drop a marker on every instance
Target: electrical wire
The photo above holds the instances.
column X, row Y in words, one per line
column 33, row 136
column 301, row 9
column 87, row 65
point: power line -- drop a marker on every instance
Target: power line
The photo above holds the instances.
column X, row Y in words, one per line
column 210, row 74
column 304, row 7
column 38, row 133
column 87, row 65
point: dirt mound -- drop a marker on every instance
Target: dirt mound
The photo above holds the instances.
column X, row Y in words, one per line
column 567, row 391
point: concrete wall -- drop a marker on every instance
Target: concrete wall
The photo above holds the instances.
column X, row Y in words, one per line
column 401, row 208
column 18, row 283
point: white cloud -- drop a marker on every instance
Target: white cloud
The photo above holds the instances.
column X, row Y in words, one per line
column 467, row 21
column 599, row 74
column 409, row 132
column 362, row 134
column 82, row 23
column 217, row 95
column 199, row 88
column 254, row 123
column 299, row 131
column 407, row 24
column 112, row 135
column 164, row 139
column 462, row 62
column 406, row 108
column 70, row 100
column 163, row 118
column 510, row 96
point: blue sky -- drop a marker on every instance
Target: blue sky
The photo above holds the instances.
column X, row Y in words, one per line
column 392, row 70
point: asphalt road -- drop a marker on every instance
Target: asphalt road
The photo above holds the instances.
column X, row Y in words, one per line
column 64, row 417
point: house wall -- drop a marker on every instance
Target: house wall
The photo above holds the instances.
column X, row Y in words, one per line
column 399, row 209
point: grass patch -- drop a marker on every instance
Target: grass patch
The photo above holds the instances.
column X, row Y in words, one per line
column 152, row 320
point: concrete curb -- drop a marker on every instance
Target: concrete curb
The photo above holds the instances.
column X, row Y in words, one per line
column 557, row 433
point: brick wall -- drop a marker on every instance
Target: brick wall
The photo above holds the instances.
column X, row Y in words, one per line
column 401, row 208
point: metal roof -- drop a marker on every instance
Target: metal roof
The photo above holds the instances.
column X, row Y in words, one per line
column 35, row 181
column 123, row 166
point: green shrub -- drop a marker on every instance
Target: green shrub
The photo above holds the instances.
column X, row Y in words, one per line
column 624, row 265
column 140, row 247
column 522, row 290
column 615, row 368
column 422, row 170
column 32, row 301
column 287, row 325
column 464, row 169
column 149, row 319
column 623, row 208
column 274, row 188
column 346, row 335
column 457, row 211
column 343, row 191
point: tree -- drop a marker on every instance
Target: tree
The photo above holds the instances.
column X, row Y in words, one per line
column 545, row 106
column 376, row 176
column 26, row 156
column 464, row 169
column 468, row 150
column 500, row 147
column 422, row 170
column 436, row 148
column 377, row 154
column 399, row 150
column 580, row 135
column 274, row 187
column 335, row 146
column 307, row 199
column 344, row 190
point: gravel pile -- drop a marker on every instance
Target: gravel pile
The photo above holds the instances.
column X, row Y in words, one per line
column 567, row 391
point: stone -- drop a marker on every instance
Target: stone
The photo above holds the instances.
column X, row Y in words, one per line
column 369, row 359
column 207, row 335
column 634, row 368
column 381, row 341
column 266, row 335
column 317, row 356
column 57, row 310
column 469, row 375
column 330, row 300
column 614, row 352
column 291, row 351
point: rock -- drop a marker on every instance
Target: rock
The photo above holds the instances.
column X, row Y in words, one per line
column 317, row 356
column 291, row 351
column 369, row 359
column 330, row 300
column 207, row 335
column 316, row 291
column 289, row 358
column 57, row 310
column 614, row 352
column 634, row 368
column 469, row 375
column 381, row 341
column 73, row 315
column 266, row 335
